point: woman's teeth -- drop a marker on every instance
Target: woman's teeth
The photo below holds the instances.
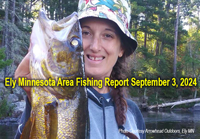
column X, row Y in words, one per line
column 95, row 58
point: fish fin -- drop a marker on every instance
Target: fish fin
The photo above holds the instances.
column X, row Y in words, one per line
column 51, row 120
column 27, row 130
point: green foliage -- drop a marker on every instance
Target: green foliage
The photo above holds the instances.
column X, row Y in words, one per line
column 1, row 29
column 5, row 108
column 3, row 63
column 156, row 59
column 152, row 100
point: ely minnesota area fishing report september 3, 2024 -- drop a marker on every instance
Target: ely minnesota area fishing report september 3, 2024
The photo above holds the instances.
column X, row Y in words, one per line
column 79, row 81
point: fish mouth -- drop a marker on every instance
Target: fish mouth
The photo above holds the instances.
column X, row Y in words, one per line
column 56, row 76
column 95, row 58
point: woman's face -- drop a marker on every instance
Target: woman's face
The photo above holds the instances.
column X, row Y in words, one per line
column 101, row 45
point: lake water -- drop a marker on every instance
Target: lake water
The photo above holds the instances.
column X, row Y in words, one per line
column 8, row 131
column 159, row 125
column 172, row 125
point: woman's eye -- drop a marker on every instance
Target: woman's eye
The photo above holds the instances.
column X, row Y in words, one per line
column 85, row 33
column 108, row 36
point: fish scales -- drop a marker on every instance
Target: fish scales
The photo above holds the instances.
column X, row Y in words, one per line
column 56, row 52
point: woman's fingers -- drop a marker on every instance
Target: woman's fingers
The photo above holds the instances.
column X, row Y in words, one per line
column 23, row 71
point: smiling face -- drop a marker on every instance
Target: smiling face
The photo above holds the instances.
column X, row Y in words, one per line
column 101, row 45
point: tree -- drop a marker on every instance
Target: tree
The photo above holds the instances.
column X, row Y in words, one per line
column 176, row 36
column 4, row 63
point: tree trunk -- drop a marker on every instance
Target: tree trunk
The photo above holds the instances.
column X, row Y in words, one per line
column 6, row 36
column 157, row 42
column 195, row 93
column 23, row 13
column 145, row 92
column 13, row 33
column 30, row 9
column 157, row 51
column 198, row 19
column 13, row 19
column 175, row 39
column 174, row 103
column 136, row 31
column 161, row 48
column 6, row 25
column 13, row 12
column 145, row 37
column 134, row 54
column 26, row 11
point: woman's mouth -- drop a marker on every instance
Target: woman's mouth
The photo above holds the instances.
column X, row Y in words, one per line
column 95, row 58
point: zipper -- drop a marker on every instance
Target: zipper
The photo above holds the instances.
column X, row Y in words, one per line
column 104, row 120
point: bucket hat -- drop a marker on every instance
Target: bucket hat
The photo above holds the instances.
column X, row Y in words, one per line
column 117, row 11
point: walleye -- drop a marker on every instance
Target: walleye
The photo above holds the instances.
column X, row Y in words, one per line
column 56, row 52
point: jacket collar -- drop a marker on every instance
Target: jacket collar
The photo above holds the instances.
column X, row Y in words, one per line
column 97, row 97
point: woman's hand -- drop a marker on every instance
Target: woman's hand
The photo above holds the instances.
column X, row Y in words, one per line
column 23, row 71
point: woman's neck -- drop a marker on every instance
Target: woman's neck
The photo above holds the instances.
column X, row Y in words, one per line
column 103, row 90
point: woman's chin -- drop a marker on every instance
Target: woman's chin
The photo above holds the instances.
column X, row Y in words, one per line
column 94, row 73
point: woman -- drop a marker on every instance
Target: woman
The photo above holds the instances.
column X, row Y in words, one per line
column 106, row 44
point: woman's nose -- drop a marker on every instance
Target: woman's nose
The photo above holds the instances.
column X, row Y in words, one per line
column 95, row 46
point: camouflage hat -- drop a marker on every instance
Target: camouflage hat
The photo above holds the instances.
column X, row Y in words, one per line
column 117, row 11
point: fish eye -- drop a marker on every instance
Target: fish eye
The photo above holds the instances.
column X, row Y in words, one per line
column 75, row 42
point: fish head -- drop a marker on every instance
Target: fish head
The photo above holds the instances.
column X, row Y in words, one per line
column 64, row 59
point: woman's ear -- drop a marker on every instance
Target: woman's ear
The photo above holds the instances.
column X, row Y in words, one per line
column 121, row 52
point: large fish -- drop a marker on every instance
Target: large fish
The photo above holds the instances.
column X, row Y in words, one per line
column 56, row 52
